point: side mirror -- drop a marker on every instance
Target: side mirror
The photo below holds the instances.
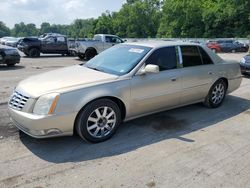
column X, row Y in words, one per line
column 149, row 69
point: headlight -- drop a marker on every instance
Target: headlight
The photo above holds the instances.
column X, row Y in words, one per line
column 46, row 104
column 243, row 60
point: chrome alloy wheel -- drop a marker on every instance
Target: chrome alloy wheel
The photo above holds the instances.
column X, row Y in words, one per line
column 218, row 93
column 101, row 122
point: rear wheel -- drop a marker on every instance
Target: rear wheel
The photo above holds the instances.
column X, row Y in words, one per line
column 90, row 53
column 216, row 94
column 34, row 52
column 98, row 121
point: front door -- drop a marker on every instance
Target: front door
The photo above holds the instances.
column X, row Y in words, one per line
column 157, row 91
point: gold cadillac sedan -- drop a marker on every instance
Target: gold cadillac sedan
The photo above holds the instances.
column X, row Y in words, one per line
column 122, row 83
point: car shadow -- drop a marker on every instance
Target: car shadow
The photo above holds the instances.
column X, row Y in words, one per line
column 6, row 68
column 48, row 56
column 172, row 124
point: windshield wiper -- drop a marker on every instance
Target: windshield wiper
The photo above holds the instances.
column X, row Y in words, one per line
column 95, row 68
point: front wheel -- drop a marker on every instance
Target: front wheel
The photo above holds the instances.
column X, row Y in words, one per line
column 216, row 94
column 98, row 121
column 34, row 52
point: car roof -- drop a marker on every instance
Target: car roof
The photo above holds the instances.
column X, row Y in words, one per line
column 159, row 44
column 105, row 35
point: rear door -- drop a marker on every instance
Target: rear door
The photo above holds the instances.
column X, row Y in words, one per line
column 197, row 73
column 156, row 91
column 61, row 44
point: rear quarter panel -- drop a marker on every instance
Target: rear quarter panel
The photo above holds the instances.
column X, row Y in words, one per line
column 231, row 71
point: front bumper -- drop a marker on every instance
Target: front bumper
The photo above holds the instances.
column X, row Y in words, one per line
column 245, row 68
column 39, row 126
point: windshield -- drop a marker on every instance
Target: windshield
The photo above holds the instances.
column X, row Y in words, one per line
column 118, row 60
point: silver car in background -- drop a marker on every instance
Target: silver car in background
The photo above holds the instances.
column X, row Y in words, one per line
column 87, row 49
column 122, row 83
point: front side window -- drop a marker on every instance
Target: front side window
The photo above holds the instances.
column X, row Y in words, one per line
column 165, row 58
column 190, row 56
column 50, row 39
column 116, row 40
column 98, row 38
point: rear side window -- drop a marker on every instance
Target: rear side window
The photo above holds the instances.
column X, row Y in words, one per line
column 98, row 38
column 165, row 58
column 60, row 39
column 190, row 56
column 205, row 57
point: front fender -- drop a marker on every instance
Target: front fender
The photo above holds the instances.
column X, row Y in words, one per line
column 74, row 101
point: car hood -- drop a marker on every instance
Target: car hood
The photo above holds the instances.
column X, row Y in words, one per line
column 64, row 79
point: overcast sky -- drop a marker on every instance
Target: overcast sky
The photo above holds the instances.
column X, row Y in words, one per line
column 53, row 11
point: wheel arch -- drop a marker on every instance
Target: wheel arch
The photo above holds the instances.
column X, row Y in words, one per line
column 91, row 48
column 116, row 100
column 225, row 80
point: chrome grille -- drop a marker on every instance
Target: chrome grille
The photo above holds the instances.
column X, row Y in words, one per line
column 18, row 101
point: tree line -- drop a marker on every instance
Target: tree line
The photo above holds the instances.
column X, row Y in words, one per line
column 154, row 18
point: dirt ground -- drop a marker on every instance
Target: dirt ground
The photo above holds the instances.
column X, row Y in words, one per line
column 191, row 146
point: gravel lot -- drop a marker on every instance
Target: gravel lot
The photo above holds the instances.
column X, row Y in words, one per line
column 187, row 147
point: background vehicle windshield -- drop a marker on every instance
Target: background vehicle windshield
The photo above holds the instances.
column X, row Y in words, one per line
column 118, row 60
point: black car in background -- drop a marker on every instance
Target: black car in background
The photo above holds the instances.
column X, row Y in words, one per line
column 245, row 65
column 49, row 44
column 9, row 56
column 232, row 46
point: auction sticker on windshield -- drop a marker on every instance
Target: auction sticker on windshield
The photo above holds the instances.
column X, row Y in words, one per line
column 136, row 50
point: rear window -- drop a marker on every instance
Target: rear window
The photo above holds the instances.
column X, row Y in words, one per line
column 205, row 57
column 190, row 56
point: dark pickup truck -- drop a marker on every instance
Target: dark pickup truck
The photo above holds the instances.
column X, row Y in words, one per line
column 49, row 44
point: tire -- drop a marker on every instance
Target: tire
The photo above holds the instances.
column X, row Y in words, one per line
column 11, row 64
column 81, row 56
column 90, row 53
column 92, row 123
column 216, row 94
column 34, row 52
